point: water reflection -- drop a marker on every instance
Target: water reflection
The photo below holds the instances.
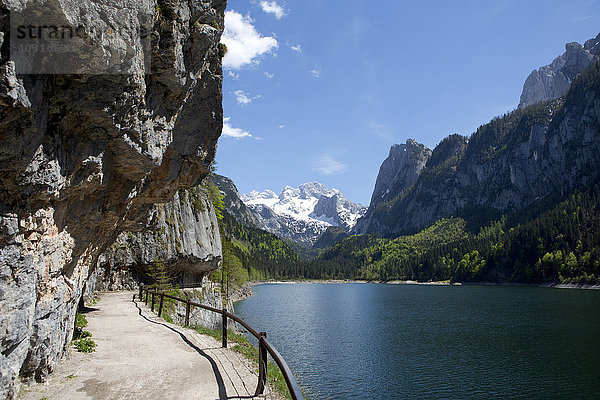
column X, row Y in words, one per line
column 369, row 341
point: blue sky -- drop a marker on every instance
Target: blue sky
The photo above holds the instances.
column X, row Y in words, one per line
column 318, row 90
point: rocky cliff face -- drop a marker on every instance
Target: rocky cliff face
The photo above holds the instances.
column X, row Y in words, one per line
column 210, row 295
column 400, row 170
column 183, row 234
column 552, row 81
column 339, row 210
column 233, row 203
column 85, row 156
column 397, row 173
column 508, row 164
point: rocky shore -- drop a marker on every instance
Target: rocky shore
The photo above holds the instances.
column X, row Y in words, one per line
column 241, row 293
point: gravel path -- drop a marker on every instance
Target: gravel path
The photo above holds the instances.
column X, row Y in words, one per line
column 139, row 356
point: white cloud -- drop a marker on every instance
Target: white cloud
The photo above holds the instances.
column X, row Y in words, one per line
column 583, row 18
column 281, row 126
column 272, row 7
column 233, row 75
column 269, row 75
column 316, row 73
column 244, row 98
column 327, row 165
column 381, row 131
column 296, row 48
column 244, row 44
column 230, row 131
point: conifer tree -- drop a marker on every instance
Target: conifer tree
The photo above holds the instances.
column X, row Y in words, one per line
column 160, row 276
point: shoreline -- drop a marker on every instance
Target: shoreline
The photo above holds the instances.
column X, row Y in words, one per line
column 542, row 285
column 433, row 283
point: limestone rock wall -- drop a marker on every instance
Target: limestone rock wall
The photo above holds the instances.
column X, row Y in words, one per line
column 400, row 170
column 86, row 156
column 397, row 173
column 210, row 295
column 183, row 234
column 552, row 81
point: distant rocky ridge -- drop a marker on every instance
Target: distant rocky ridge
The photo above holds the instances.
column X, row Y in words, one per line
column 233, row 203
column 549, row 149
column 552, row 81
column 397, row 174
column 400, row 170
column 302, row 214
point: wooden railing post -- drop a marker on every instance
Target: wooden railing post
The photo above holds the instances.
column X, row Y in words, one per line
column 264, row 347
column 141, row 291
column 262, row 365
column 160, row 306
column 187, row 312
column 224, row 328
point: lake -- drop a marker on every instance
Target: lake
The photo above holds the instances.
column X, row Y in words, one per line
column 374, row 341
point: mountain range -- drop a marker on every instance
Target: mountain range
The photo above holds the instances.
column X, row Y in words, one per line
column 516, row 202
column 548, row 147
column 302, row 214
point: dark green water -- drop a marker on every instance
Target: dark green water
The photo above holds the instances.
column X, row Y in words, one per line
column 369, row 341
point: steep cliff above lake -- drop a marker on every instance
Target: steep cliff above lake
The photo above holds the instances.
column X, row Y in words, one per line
column 182, row 234
column 397, row 174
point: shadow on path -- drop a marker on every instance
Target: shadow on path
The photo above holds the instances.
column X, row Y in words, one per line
column 86, row 309
column 213, row 364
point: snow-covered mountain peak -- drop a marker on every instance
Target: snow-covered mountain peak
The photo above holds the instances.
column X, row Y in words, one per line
column 312, row 189
column 303, row 213
column 256, row 195
column 288, row 193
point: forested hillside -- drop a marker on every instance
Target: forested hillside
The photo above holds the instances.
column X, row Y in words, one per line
column 560, row 245
column 254, row 254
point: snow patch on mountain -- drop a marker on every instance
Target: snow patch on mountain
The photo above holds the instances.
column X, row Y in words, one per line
column 303, row 213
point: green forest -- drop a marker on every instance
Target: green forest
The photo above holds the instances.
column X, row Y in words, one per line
column 558, row 245
column 262, row 254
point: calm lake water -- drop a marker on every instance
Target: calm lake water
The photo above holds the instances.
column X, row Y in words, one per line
column 370, row 341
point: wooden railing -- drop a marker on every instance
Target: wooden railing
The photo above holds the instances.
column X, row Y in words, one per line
column 264, row 346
